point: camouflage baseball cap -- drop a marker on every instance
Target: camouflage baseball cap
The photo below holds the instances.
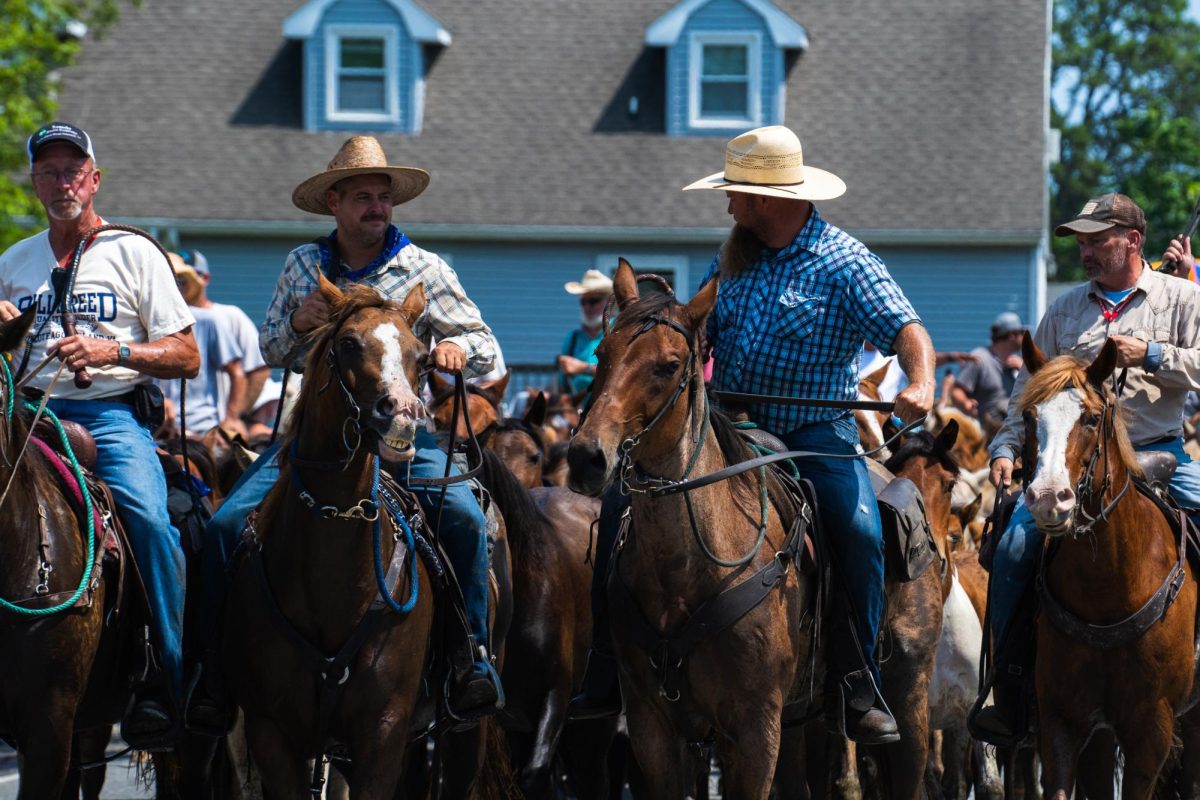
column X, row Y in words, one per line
column 1103, row 212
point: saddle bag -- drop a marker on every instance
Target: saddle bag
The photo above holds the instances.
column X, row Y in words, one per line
column 908, row 544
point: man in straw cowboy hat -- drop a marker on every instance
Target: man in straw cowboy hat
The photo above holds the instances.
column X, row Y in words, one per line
column 577, row 359
column 131, row 325
column 359, row 189
column 797, row 298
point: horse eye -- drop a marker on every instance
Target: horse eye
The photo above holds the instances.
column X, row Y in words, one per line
column 348, row 345
column 667, row 369
column 1091, row 421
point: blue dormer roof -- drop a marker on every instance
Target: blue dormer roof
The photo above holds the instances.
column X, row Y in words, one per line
column 422, row 26
column 785, row 31
column 364, row 63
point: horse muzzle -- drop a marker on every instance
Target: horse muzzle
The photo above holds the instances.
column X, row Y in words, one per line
column 589, row 467
column 1052, row 511
column 396, row 439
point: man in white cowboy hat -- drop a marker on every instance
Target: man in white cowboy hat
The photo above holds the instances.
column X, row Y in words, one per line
column 577, row 359
column 359, row 189
column 797, row 299
column 131, row 325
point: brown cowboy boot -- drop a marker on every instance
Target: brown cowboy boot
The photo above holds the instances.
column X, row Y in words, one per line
column 601, row 695
column 857, row 710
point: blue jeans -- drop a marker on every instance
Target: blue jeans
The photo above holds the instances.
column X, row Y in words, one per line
column 852, row 526
column 463, row 530
column 126, row 460
column 1018, row 549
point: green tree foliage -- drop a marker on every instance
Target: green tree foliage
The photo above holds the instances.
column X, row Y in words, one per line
column 37, row 39
column 1126, row 97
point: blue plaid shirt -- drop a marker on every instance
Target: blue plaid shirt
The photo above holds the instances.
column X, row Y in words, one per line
column 793, row 323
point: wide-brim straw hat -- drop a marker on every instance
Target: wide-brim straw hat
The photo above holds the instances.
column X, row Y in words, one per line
column 770, row 161
column 360, row 155
column 594, row 281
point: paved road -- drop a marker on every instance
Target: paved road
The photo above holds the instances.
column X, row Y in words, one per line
column 120, row 782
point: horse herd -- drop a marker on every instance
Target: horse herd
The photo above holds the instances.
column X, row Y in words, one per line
column 333, row 640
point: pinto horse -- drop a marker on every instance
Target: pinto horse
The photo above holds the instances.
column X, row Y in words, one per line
column 322, row 572
column 650, row 417
column 1099, row 673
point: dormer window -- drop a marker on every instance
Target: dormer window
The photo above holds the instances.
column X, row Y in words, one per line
column 361, row 75
column 725, row 77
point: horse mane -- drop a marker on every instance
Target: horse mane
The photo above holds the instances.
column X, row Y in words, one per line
column 523, row 520
column 734, row 449
column 643, row 309
column 921, row 443
column 1066, row 372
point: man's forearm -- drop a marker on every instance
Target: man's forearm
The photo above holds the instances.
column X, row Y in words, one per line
column 914, row 350
column 255, row 380
column 173, row 356
column 237, row 391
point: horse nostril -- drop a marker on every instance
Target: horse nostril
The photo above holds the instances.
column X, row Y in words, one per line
column 386, row 406
column 1065, row 495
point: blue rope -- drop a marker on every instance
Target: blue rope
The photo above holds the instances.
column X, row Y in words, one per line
column 410, row 541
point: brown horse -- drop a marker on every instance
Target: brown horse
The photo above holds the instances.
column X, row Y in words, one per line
column 318, row 569
column 648, row 419
column 1115, row 550
column 483, row 405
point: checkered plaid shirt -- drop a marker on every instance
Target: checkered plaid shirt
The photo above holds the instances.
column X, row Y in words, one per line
column 793, row 323
column 449, row 316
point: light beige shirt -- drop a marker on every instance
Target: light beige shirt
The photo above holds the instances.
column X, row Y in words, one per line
column 1164, row 310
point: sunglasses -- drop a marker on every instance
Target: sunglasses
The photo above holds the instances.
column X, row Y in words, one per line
column 591, row 301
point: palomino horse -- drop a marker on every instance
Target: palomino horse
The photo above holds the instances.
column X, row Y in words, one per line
column 650, row 424
column 311, row 586
column 1115, row 657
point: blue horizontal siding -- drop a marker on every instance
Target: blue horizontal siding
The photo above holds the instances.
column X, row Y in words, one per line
column 519, row 287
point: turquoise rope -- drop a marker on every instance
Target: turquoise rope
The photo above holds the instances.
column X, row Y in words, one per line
column 766, row 451
column 87, row 502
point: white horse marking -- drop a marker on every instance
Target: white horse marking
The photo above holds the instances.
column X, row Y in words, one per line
column 1050, row 496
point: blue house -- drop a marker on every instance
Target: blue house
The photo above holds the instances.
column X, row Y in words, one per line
column 560, row 134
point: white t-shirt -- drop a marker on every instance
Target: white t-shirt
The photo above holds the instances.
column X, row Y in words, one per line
column 125, row 291
column 893, row 382
column 205, row 404
column 233, row 323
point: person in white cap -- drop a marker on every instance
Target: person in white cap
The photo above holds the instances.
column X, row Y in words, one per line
column 132, row 325
column 982, row 387
column 577, row 358
column 797, row 298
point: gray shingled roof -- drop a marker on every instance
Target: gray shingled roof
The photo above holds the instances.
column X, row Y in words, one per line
column 931, row 110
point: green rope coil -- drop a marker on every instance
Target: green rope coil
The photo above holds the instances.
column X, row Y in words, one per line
column 87, row 502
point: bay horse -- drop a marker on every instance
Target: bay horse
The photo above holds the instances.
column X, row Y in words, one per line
column 1098, row 673
column 648, row 418
column 323, row 572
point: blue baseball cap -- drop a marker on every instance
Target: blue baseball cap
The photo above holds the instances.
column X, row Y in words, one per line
column 59, row 132
column 196, row 260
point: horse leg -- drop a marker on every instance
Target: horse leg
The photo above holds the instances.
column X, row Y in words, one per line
column 792, row 765
column 935, row 765
column 585, row 748
column 1059, row 746
column 90, row 745
column 843, row 766
column 985, row 771
column 1097, row 766
column 1147, row 743
column 951, row 755
column 284, row 772
column 50, row 737
column 1189, row 775
column 537, row 774
column 748, row 757
column 658, row 750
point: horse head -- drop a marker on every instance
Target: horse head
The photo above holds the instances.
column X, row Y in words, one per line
column 483, row 406
column 1072, row 424
column 369, row 357
column 927, row 460
column 647, row 360
column 520, row 444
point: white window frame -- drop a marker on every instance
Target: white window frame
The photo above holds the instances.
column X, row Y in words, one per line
column 677, row 265
column 753, row 44
column 333, row 55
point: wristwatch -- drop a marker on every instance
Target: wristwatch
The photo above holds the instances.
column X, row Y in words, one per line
column 122, row 354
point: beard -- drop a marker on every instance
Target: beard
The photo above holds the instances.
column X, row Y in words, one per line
column 739, row 252
column 591, row 320
column 65, row 210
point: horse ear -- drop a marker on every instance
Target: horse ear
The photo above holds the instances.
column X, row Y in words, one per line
column 948, row 436
column 500, row 387
column 328, row 290
column 12, row 332
column 414, row 305
column 1035, row 359
column 699, row 307
column 1099, row 370
column 535, row 415
column 625, row 284
column 438, row 384
column 875, row 380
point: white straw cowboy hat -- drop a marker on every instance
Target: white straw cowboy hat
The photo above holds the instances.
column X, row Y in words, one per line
column 770, row 161
column 593, row 281
column 360, row 155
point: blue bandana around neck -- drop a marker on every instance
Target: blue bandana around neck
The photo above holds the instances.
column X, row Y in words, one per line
column 394, row 241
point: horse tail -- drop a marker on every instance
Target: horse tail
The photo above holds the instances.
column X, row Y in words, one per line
column 496, row 781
